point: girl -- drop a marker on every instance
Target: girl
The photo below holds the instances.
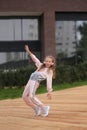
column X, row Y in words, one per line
column 45, row 71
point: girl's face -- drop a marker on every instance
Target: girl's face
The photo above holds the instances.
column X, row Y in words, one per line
column 48, row 62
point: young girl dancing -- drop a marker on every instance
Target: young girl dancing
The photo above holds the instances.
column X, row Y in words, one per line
column 45, row 71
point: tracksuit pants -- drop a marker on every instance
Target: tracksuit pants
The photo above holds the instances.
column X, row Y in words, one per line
column 29, row 93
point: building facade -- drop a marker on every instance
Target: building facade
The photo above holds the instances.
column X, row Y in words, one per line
column 45, row 11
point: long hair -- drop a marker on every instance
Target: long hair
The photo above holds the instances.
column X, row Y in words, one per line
column 52, row 67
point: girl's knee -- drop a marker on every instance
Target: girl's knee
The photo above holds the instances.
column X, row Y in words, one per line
column 25, row 94
column 24, row 97
column 31, row 96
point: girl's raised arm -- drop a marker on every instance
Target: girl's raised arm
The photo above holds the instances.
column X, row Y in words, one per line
column 33, row 57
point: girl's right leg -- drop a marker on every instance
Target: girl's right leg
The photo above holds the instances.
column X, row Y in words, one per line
column 26, row 97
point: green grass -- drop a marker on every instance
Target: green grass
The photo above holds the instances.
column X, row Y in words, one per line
column 10, row 93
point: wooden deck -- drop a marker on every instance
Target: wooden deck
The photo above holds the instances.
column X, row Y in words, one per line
column 68, row 112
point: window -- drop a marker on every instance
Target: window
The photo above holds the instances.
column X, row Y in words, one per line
column 15, row 32
column 67, row 43
column 60, row 27
column 74, row 42
column 18, row 29
column 59, row 43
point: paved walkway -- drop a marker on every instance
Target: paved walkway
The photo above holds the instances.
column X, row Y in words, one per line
column 68, row 112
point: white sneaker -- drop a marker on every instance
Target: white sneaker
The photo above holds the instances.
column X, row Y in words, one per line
column 45, row 111
column 37, row 111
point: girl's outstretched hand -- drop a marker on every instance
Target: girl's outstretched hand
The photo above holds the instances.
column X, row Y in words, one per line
column 49, row 95
column 26, row 48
